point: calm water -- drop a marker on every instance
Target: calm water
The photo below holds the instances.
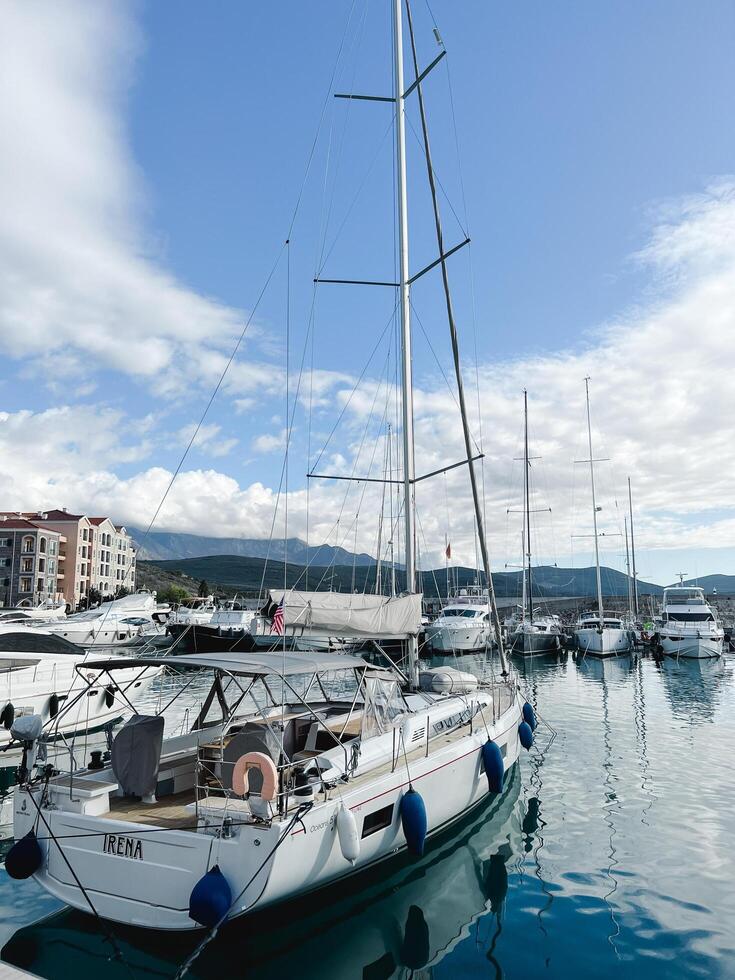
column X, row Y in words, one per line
column 611, row 848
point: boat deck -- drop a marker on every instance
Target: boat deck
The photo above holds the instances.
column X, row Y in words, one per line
column 175, row 812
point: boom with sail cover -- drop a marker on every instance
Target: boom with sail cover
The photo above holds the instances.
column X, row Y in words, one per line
column 347, row 614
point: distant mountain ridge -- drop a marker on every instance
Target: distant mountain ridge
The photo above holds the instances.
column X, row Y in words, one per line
column 247, row 574
column 170, row 545
column 723, row 583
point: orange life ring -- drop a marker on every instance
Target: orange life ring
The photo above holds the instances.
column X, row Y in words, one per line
column 257, row 760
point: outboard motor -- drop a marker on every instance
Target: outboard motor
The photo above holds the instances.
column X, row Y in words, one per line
column 27, row 730
column 136, row 755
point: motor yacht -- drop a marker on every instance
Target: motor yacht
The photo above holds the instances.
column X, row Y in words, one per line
column 464, row 623
column 689, row 627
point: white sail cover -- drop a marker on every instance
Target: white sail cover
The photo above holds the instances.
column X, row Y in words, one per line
column 350, row 615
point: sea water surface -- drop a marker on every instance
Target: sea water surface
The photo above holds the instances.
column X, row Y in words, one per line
column 610, row 850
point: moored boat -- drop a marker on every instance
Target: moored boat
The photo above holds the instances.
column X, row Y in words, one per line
column 689, row 627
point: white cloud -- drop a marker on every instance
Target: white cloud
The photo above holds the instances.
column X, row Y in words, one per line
column 206, row 439
column 270, row 442
column 79, row 285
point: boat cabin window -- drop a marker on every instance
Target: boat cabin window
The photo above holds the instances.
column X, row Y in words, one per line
column 684, row 597
column 378, row 820
column 682, row 617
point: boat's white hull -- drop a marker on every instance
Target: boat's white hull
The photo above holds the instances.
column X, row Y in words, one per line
column 603, row 643
column 80, row 707
column 692, row 647
column 443, row 639
column 153, row 890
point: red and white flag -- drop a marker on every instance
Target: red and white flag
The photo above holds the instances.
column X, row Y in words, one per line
column 448, row 550
column 277, row 623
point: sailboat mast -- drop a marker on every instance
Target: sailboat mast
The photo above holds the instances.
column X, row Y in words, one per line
column 594, row 505
column 632, row 549
column 455, row 350
column 404, row 303
column 627, row 568
column 527, row 502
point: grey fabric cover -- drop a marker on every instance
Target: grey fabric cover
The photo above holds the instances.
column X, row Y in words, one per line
column 136, row 754
column 27, row 728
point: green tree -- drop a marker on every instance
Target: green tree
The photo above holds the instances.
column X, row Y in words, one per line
column 174, row 593
column 203, row 589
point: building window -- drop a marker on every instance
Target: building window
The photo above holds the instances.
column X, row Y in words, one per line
column 5, row 562
column 85, row 534
column 42, row 564
column 42, row 545
column 51, row 566
column 52, row 547
column 26, row 564
column 6, row 542
column 28, row 544
column 25, row 585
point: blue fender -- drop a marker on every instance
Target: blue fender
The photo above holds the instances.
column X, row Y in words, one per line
column 525, row 734
column 413, row 820
column 492, row 761
column 24, row 858
column 529, row 716
column 210, row 899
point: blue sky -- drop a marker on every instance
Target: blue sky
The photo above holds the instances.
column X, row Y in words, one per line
column 157, row 153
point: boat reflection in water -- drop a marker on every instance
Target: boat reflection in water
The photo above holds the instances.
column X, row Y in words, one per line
column 387, row 923
column 694, row 688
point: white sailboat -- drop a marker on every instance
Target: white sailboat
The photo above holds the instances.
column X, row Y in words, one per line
column 598, row 633
column 536, row 633
column 300, row 770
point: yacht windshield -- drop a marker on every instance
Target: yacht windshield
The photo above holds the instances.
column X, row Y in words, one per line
column 691, row 617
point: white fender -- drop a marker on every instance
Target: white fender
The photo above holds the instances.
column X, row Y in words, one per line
column 349, row 840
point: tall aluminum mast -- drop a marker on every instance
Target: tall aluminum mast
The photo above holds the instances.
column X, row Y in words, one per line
column 527, row 502
column 632, row 549
column 406, row 366
column 594, row 505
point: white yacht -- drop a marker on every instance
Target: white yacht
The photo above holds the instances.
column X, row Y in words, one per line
column 597, row 633
column 351, row 769
column 604, row 635
column 119, row 622
column 198, row 612
column 464, row 624
column 46, row 676
column 689, row 627
column 46, row 611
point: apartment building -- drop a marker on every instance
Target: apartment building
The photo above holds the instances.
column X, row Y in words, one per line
column 97, row 553
column 113, row 557
column 31, row 562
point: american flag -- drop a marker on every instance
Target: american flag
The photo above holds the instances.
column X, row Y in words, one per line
column 277, row 624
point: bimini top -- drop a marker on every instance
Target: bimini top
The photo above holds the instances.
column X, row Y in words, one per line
column 347, row 614
column 254, row 664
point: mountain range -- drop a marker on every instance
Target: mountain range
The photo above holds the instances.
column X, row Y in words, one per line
column 166, row 545
column 247, row 574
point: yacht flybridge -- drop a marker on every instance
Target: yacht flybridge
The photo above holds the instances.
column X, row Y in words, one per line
column 298, row 771
column 689, row 627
